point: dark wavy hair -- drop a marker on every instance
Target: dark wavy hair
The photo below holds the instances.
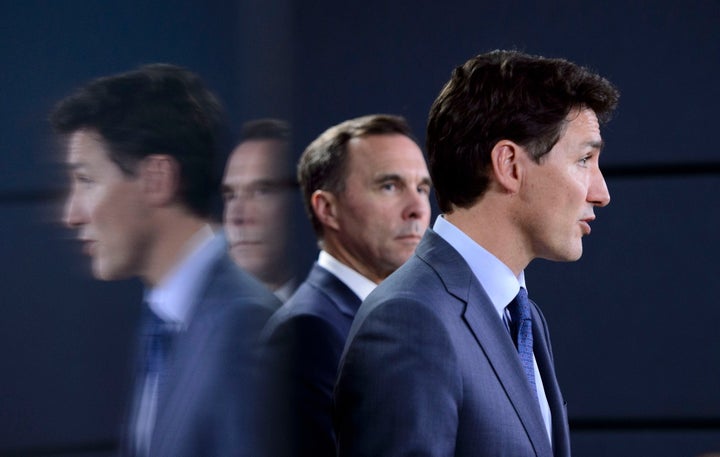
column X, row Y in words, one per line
column 155, row 109
column 504, row 95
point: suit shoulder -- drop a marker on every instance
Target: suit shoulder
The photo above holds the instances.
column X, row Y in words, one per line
column 227, row 283
column 311, row 309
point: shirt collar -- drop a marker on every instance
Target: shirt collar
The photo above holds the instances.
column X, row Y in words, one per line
column 358, row 283
column 498, row 281
column 173, row 298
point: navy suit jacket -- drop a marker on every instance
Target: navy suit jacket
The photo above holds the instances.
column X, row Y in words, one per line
column 430, row 370
column 302, row 342
column 207, row 404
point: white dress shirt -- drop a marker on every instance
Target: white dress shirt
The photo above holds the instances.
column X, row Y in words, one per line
column 358, row 283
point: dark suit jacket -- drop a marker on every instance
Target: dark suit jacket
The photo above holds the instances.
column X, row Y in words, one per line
column 430, row 370
column 206, row 407
column 302, row 343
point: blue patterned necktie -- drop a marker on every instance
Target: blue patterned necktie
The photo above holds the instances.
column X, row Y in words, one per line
column 521, row 329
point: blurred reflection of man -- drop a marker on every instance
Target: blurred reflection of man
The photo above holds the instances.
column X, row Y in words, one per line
column 259, row 189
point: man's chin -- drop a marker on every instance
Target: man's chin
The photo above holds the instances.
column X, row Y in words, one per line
column 566, row 256
column 105, row 273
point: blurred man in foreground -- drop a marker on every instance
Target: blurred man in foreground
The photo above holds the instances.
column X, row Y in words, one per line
column 140, row 148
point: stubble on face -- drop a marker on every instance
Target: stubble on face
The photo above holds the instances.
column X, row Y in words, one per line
column 562, row 190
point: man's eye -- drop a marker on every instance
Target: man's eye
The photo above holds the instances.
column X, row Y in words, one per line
column 83, row 179
column 261, row 190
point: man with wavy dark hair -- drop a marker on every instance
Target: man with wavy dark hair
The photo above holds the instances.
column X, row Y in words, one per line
column 140, row 149
column 448, row 356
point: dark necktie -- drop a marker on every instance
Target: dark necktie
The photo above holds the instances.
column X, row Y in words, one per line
column 156, row 341
column 521, row 329
column 158, row 336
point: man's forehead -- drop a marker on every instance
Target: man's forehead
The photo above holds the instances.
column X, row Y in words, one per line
column 261, row 149
column 256, row 156
column 84, row 141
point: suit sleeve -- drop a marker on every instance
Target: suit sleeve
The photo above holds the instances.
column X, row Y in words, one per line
column 304, row 352
column 399, row 386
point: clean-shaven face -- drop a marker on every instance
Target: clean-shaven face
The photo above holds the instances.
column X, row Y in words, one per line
column 257, row 191
column 105, row 206
column 384, row 209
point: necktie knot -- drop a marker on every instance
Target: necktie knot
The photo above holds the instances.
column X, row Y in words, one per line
column 519, row 310
column 158, row 336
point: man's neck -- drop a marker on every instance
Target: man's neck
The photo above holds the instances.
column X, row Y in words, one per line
column 494, row 232
column 342, row 255
column 169, row 244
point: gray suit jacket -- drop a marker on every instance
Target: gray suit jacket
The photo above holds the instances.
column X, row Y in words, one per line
column 430, row 370
column 208, row 402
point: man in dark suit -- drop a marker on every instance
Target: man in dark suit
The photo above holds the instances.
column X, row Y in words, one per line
column 140, row 150
column 435, row 364
column 366, row 186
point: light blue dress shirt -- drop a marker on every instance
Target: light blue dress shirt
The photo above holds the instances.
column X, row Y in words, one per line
column 499, row 283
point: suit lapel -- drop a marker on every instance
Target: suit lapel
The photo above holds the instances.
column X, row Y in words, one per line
column 327, row 283
column 188, row 353
column 489, row 332
column 561, row 434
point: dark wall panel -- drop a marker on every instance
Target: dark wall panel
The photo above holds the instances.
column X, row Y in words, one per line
column 64, row 338
column 641, row 443
column 634, row 321
column 49, row 48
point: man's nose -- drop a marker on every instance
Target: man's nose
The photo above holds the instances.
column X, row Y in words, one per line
column 417, row 205
column 74, row 215
column 598, row 193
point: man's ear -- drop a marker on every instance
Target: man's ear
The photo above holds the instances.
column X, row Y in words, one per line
column 324, row 205
column 507, row 165
column 161, row 178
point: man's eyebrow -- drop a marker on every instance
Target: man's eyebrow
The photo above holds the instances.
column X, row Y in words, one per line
column 72, row 166
column 595, row 144
column 426, row 181
column 396, row 177
column 387, row 177
column 272, row 182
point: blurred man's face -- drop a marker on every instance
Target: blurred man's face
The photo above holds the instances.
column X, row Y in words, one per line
column 384, row 209
column 258, row 192
column 107, row 209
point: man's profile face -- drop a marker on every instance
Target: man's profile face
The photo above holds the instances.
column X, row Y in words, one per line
column 257, row 191
column 559, row 194
column 384, row 209
column 106, row 207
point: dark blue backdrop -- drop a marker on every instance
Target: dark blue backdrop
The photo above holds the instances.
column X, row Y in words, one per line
column 633, row 323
